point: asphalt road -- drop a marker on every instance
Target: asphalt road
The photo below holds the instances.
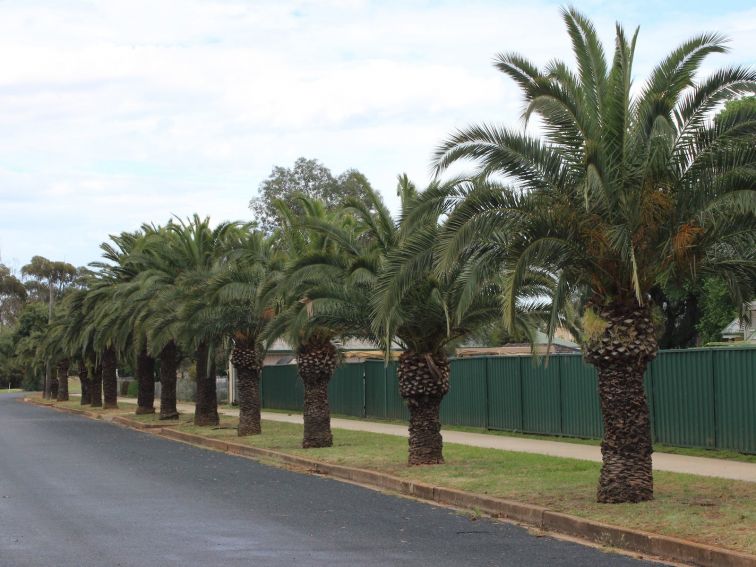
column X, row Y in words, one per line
column 76, row 492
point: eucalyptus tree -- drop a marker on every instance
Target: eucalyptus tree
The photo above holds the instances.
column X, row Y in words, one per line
column 424, row 311
column 627, row 188
column 51, row 277
column 13, row 295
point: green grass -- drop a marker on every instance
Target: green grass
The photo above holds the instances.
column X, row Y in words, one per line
column 123, row 407
column 10, row 391
column 708, row 510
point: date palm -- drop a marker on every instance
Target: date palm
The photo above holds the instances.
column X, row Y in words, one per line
column 231, row 304
column 626, row 188
column 315, row 262
column 177, row 262
column 424, row 312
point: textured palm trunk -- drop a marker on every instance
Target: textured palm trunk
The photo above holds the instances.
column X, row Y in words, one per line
column 316, row 364
column 248, row 364
column 47, row 386
column 620, row 354
column 206, row 405
column 95, row 387
column 145, row 371
column 423, row 383
column 53, row 386
column 168, row 368
column 86, row 394
column 109, row 379
column 62, row 395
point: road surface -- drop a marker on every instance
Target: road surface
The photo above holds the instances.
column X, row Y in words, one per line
column 77, row 492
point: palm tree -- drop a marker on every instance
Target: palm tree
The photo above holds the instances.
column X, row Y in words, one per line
column 628, row 188
column 177, row 262
column 424, row 311
column 231, row 304
column 315, row 262
column 152, row 298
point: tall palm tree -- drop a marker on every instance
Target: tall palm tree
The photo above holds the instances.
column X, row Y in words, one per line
column 626, row 189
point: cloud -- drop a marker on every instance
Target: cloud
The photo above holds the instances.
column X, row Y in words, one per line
column 114, row 113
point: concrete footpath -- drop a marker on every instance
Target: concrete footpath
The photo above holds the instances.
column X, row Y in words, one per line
column 702, row 466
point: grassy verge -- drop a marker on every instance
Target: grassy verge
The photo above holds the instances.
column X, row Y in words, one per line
column 707, row 510
column 11, row 391
column 658, row 447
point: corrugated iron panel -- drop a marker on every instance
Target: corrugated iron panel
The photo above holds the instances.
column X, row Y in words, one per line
column 375, row 388
column 282, row 388
column 346, row 390
column 683, row 393
column 465, row 404
column 735, row 396
column 541, row 400
column 504, row 393
column 581, row 412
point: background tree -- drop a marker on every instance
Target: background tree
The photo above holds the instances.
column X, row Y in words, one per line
column 307, row 177
column 52, row 277
column 717, row 308
column 12, row 297
column 627, row 190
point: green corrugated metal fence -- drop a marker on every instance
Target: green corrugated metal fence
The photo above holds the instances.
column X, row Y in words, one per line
column 697, row 397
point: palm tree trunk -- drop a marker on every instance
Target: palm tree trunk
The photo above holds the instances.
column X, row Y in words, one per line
column 63, row 380
column 247, row 362
column 145, row 371
column 620, row 354
column 53, row 386
column 168, row 368
column 86, row 394
column 47, row 386
column 206, row 405
column 109, row 379
column 316, row 364
column 95, row 387
column 423, row 383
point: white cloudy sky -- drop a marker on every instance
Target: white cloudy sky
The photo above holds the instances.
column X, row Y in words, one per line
column 117, row 112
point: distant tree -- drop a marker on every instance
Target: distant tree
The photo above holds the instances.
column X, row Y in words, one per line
column 52, row 276
column 717, row 310
column 732, row 107
column 307, row 177
column 12, row 296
